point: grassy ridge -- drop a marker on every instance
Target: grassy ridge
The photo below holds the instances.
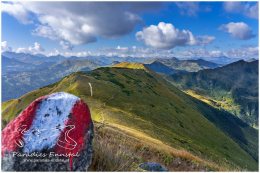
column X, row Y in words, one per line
column 148, row 104
column 132, row 65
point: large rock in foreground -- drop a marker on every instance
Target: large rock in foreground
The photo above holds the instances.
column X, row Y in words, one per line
column 54, row 133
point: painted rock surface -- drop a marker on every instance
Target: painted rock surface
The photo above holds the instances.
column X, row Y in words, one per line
column 54, row 133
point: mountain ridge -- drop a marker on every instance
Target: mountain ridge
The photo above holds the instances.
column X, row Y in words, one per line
column 225, row 85
column 135, row 97
column 187, row 65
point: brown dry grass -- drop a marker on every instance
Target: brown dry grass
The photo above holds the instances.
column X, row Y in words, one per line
column 110, row 155
column 118, row 150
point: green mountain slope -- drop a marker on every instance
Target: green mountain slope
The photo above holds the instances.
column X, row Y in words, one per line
column 146, row 106
column 234, row 87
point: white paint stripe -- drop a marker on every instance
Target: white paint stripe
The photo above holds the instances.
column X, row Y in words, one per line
column 49, row 122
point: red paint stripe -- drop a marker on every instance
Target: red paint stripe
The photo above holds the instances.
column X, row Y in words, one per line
column 81, row 119
column 12, row 134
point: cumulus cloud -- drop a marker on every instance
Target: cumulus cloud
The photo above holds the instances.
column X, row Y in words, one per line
column 166, row 36
column 45, row 31
column 80, row 23
column 5, row 47
column 248, row 9
column 239, row 30
column 35, row 49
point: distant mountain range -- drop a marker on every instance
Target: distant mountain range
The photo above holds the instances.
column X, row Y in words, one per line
column 32, row 59
column 187, row 65
column 15, row 65
column 233, row 87
column 145, row 106
column 39, row 59
column 172, row 65
column 221, row 60
column 17, row 83
column 24, row 72
column 9, row 65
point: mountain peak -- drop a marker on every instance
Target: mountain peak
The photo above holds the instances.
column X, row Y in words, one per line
column 251, row 60
column 131, row 65
column 174, row 58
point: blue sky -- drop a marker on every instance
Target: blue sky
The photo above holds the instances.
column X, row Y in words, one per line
column 175, row 29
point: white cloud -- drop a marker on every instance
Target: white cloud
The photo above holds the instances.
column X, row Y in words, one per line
column 45, row 31
column 202, row 53
column 5, row 47
column 245, row 52
column 35, row 49
column 55, row 52
column 246, row 8
column 241, row 53
column 66, row 45
column 79, row 22
column 128, row 51
column 17, row 10
column 137, row 52
column 142, row 52
column 166, row 36
column 204, row 40
column 252, row 12
column 232, row 7
column 192, row 8
column 188, row 8
column 122, row 48
column 239, row 30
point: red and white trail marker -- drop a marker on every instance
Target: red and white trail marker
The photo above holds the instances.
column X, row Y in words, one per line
column 56, row 126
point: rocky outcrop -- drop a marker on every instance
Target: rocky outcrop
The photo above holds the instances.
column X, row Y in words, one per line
column 153, row 167
column 54, row 133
